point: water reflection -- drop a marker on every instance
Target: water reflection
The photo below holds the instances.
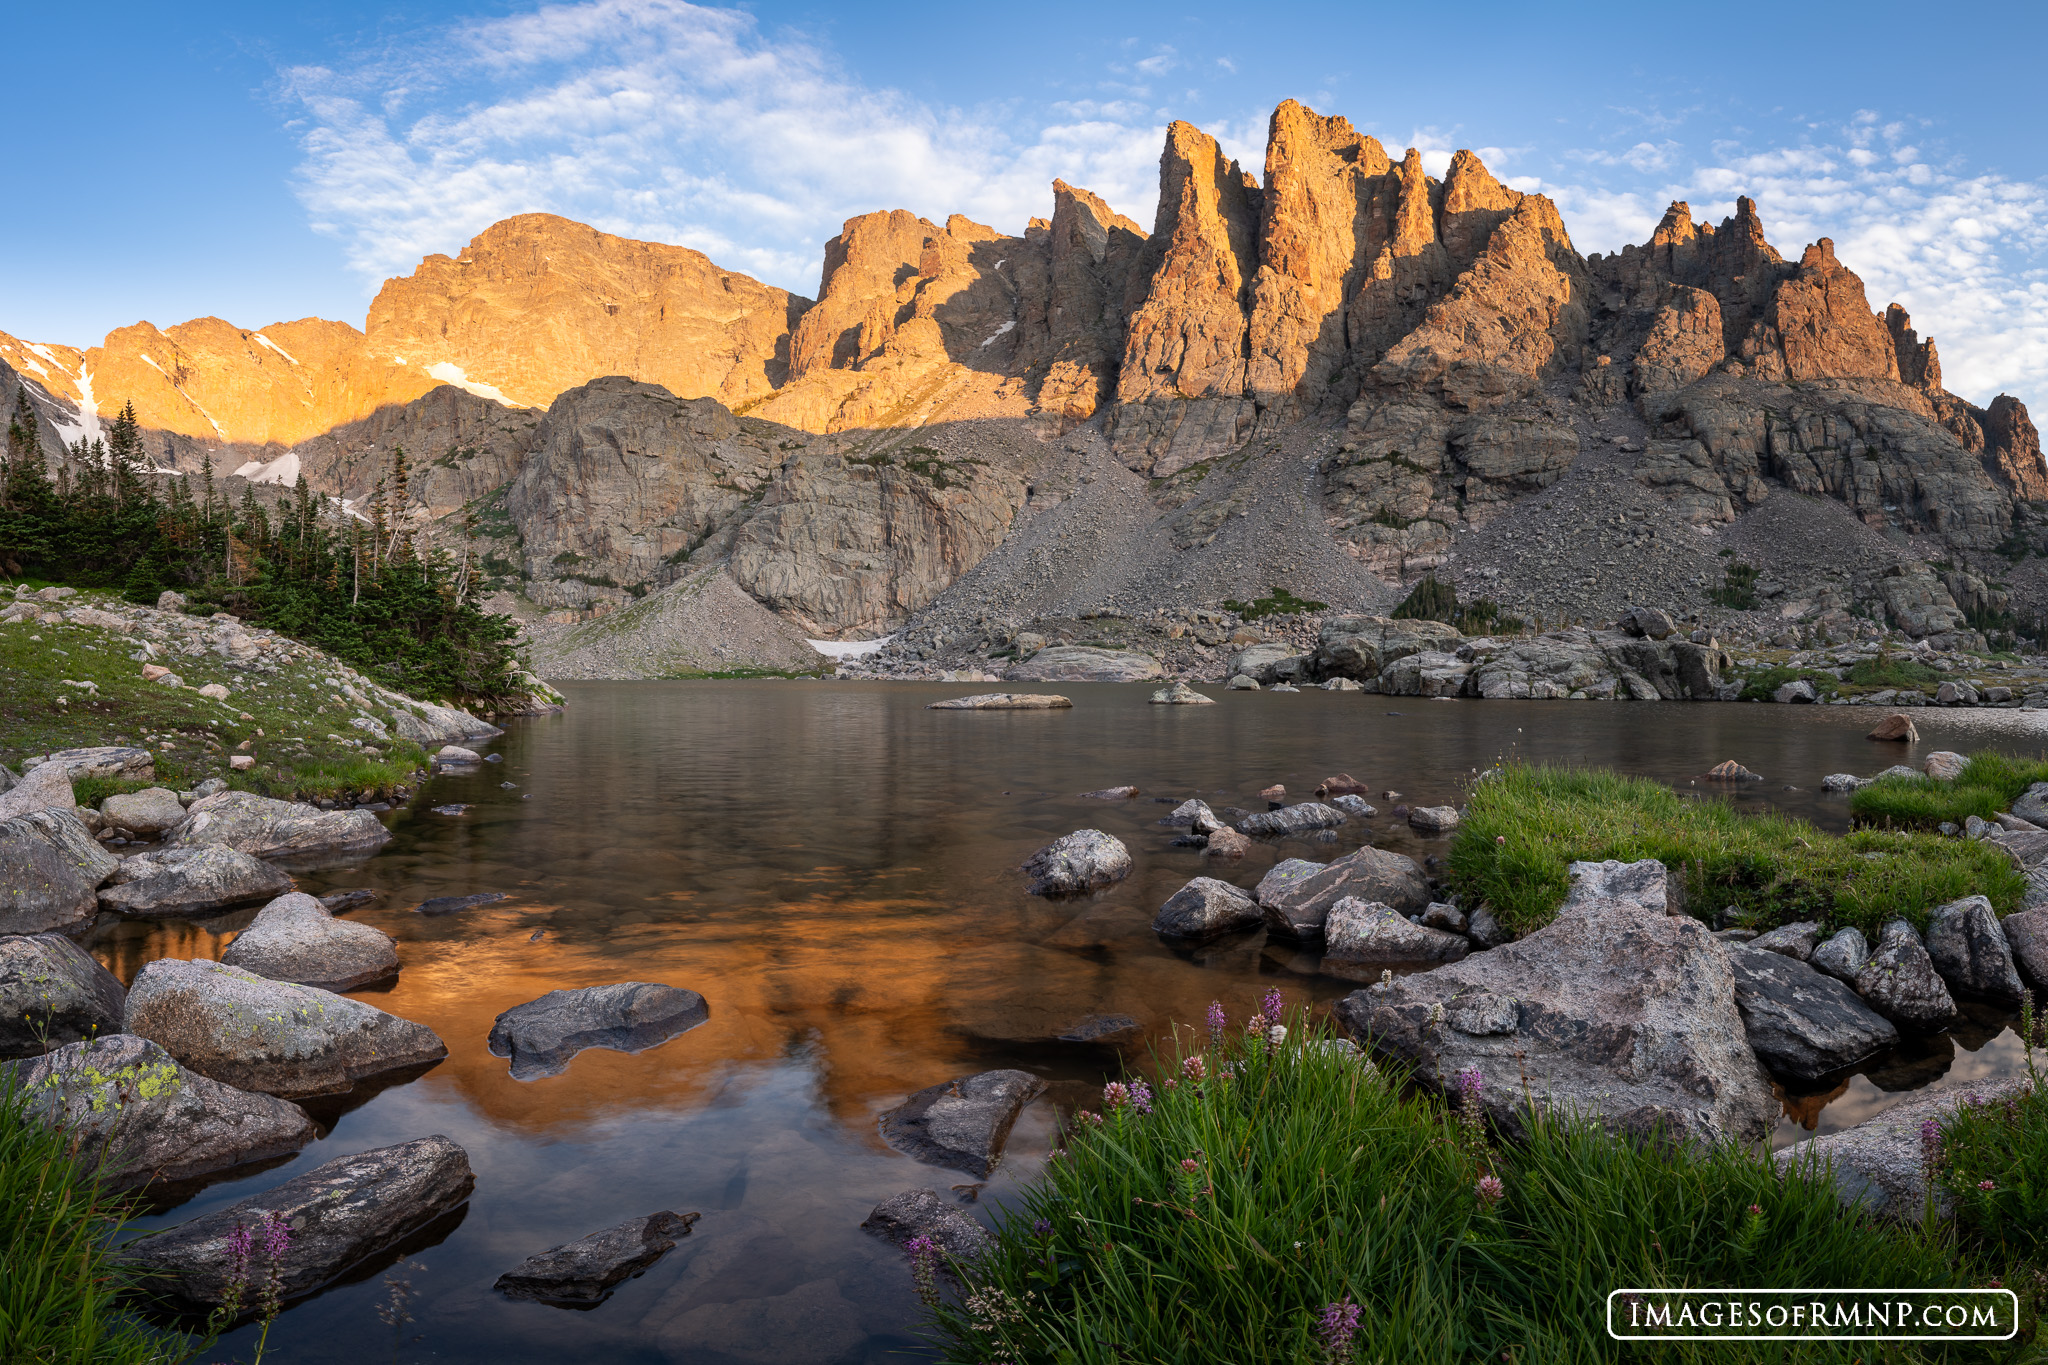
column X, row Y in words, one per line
column 833, row 867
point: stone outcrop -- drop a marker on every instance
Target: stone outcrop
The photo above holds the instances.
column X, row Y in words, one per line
column 1801, row 1023
column 1880, row 1165
column 263, row 827
column 50, row 869
column 295, row 938
column 924, row 1213
column 1361, row 937
column 1085, row 663
column 197, row 880
column 964, row 1123
column 53, row 992
column 1205, row 908
column 1296, row 896
column 542, row 1036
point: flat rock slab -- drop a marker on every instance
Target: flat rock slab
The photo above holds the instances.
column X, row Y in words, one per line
column 1296, row 895
column 1004, row 701
column 48, row 879
column 148, row 1119
column 191, row 881
column 1362, row 936
column 1302, row 819
column 963, row 1123
column 926, row 1213
column 542, row 1035
column 1615, row 1010
column 119, row 761
column 296, row 938
column 264, row 828
column 53, row 992
column 1085, row 860
column 453, row 905
column 282, row 1039
column 1801, row 1023
column 1878, row 1164
column 1085, row 663
column 426, row 724
column 585, row 1271
column 1111, row 794
column 341, row 902
column 1205, row 908
column 339, row 1214
column 2028, row 849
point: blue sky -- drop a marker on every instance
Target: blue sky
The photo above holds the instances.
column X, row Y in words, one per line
column 263, row 162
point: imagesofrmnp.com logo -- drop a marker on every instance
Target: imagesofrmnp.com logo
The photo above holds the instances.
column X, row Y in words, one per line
column 1813, row 1314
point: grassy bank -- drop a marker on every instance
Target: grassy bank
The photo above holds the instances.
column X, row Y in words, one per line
column 295, row 721
column 1232, row 1218
column 1989, row 783
column 1525, row 826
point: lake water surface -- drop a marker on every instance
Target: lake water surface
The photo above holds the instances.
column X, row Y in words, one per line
column 834, row 868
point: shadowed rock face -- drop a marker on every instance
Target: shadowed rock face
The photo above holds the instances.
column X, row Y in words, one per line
column 584, row 1272
column 296, row 938
column 53, row 992
column 1801, row 1023
column 963, row 1123
column 542, row 1036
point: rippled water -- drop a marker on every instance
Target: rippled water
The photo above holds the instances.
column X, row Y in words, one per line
column 833, row 867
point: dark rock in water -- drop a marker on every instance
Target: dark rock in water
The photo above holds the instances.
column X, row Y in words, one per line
column 1309, row 815
column 494, row 758
column 296, row 938
column 191, row 881
column 536, row 936
column 449, row 905
column 1110, row 794
column 1082, row 861
column 455, row 808
column 1899, row 980
column 923, row 1213
column 1800, row 1023
column 1296, row 895
column 1356, row 806
column 131, row 1108
column 341, row 902
column 1731, row 771
column 963, row 1123
column 1102, row 1028
column 584, row 1271
column 542, row 1035
column 252, row 1033
column 53, row 992
column 1204, row 908
column 1191, row 813
column 339, row 1214
column 1970, row 952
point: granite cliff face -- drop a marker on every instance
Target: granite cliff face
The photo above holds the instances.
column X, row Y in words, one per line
column 1342, row 372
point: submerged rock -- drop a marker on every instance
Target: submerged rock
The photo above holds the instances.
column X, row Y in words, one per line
column 1082, row 861
column 1206, row 908
column 1728, row 770
column 541, row 1036
column 452, row 905
column 1004, row 701
column 586, row 1270
column 142, row 1117
column 962, row 1123
column 191, row 881
column 339, row 1214
column 1111, row 794
column 296, row 938
column 53, row 992
column 923, row 1213
column 256, row 1034
column 1102, row 1028
column 1969, row 950
column 1899, row 980
column 1361, row 934
column 264, row 828
column 1296, row 895
column 1803, row 1024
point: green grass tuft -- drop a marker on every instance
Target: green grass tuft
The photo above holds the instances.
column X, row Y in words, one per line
column 1990, row 783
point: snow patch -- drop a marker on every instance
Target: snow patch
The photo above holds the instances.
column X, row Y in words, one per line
column 283, row 471
column 87, row 427
column 448, row 372
column 47, row 354
column 998, row 332
column 848, row 649
column 40, row 371
column 275, row 347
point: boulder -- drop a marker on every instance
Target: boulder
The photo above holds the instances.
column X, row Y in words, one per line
column 1180, row 694
column 1343, row 784
column 1944, row 765
column 1880, row 1165
column 2026, row 933
column 145, row 1118
column 340, row 1214
column 455, row 756
column 1615, row 1010
column 296, row 938
column 1296, row 896
column 1103, row 1028
column 50, row 868
column 435, row 725
column 1793, row 940
column 1899, row 980
column 150, row 811
column 1205, row 908
column 1110, row 794
column 2032, row 805
column 1293, row 820
column 1445, row 915
column 1728, row 770
column 1433, row 819
column 2028, row 849
column 1970, row 952
column 1486, row 931
column 118, row 761
column 53, row 992
column 282, row 1039
column 44, row 788
column 190, row 881
column 1648, row 622
column 1840, row 782
column 1004, row 701
column 1647, row 883
column 1269, row 663
column 264, row 828
column 1085, row 663
column 964, row 1123
column 584, row 1272
column 1085, row 860
column 1364, row 935
column 1356, row 806
column 1797, row 691
column 1842, row 956
column 1226, row 843
column 923, row 1213
column 1896, row 726
column 1189, row 814
column 1800, row 1023
column 454, row 905
column 541, row 1036
column 1239, row 682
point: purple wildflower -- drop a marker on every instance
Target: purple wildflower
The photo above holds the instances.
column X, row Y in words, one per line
column 1040, row 1228
column 1256, row 1025
column 1337, row 1329
column 1490, row 1190
column 1195, row 1068
column 924, row 1268
column 1273, row 1005
column 1930, row 1145
column 1115, row 1095
column 1217, row 1022
column 277, row 1239
column 1141, row 1098
column 1470, row 1081
column 1987, row 1184
column 240, row 1243
column 1190, row 1165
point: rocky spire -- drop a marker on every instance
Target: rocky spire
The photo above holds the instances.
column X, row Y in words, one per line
column 2013, row 441
column 1919, row 365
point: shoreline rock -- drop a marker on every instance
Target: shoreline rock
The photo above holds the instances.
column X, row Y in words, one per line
column 53, row 992
column 297, row 939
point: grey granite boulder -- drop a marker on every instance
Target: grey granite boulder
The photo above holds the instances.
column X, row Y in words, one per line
column 1296, row 895
column 1433, row 819
column 264, row 828
column 1969, row 950
column 962, row 1124
column 1004, row 701
column 430, row 726
column 122, row 762
column 1803, row 1024
column 2028, row 848
column 45, row 788
column 190, row 881
column 923, row 1213
column 145, row 1118
column 1355, row 806
column 255, row 1034
column 1899, row 980
column 1623, row 1014
column 1485, row 931
column 1793, row 940
column 1646, row 883
column 50, row 869
column 296, row 938
column 2026, row 933
column 1879, row 1165
column 340, row 1215
column 1085, row 663
column 1362, row 935
column 1842, row 955
column 1189, row 814
column 1085, row 860
column 1305, row 818
column 2032, row 805
column 542, row 1036
column 584, row 1272
column 150, row 811
column 1204, row 908
column 52, row 992
column 1445, row 915
column 1180, row 694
